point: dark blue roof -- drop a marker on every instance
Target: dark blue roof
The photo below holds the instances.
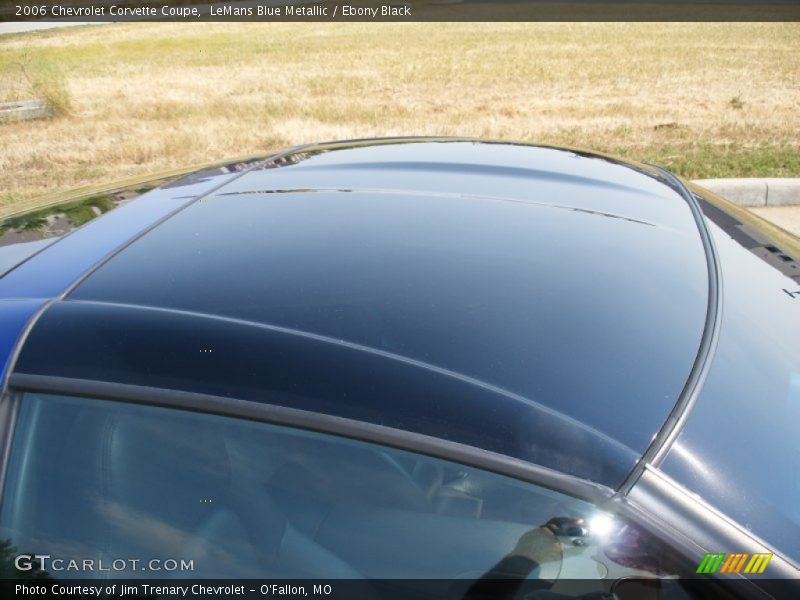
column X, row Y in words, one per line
column 542, row 303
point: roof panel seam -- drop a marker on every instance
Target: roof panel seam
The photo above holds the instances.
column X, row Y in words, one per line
column 152, row 226
column 669, row 431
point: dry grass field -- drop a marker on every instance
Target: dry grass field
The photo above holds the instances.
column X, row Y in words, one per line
column 705, row 99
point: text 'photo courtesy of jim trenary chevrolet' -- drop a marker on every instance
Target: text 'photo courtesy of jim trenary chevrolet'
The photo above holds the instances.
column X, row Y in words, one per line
column 403, row 300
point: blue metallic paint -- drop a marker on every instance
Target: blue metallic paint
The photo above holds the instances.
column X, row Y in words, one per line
column 332, row 227
column 566, row 282
column 50, row 272
column 740, row 449
column 14, row 316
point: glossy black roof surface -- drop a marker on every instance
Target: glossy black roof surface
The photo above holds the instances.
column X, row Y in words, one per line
column 543, row 303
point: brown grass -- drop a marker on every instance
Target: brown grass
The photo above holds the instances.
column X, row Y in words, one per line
column 705, row 99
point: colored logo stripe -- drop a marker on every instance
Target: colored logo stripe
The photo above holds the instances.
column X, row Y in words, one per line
column 722, row 562
column 758, row 563
column 711, row 562
column 734, row 563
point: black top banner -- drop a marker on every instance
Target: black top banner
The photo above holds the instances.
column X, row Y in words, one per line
column 399, row 10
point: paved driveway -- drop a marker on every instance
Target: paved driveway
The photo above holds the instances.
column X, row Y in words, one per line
column 787, row 217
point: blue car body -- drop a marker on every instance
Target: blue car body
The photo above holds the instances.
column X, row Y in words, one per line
column 599, row 319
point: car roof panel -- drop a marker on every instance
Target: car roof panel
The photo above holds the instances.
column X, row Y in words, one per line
column 533, row 273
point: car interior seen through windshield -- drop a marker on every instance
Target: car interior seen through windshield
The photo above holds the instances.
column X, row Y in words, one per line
column 244, row 499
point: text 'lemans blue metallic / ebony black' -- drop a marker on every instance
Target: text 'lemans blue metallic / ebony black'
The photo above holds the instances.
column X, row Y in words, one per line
column 539, row 303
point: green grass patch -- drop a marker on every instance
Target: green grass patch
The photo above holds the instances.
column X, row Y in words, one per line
column 712, row 161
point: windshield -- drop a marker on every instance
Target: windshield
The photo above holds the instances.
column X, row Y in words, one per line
column 92, row 480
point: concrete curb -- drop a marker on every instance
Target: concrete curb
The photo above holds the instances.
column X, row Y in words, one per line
column 765, row 191
column 24, row 110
